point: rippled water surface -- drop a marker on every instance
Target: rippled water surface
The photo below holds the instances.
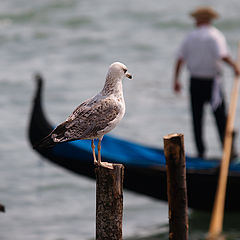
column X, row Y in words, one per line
column 72, row 43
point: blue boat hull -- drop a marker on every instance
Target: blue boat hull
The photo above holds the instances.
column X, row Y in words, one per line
column 145, row 171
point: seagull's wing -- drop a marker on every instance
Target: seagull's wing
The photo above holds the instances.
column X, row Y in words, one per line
column 87, row 120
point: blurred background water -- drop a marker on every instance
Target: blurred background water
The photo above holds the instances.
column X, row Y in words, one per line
column 72, row 43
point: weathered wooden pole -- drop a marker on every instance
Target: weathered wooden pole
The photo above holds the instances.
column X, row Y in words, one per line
column 109, row 201
column 176, row 186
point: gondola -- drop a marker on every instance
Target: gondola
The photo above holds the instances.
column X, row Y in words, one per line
column 145, row 171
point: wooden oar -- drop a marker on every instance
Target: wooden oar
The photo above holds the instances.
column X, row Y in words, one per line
column 218, row 209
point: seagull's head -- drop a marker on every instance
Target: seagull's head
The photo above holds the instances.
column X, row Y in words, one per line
column 118, row 70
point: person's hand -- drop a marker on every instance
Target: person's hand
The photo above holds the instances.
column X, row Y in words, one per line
column 236, row 71
column 233, row 64
column 177, row 86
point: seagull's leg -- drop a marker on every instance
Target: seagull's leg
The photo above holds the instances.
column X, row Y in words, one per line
column 99, row 151
column 93, row 151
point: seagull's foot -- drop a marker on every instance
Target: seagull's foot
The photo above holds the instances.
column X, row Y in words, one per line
column 103, row 164
column 97, row 162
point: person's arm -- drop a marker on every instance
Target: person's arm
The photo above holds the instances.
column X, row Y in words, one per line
column 232, row 64
column 178, row 67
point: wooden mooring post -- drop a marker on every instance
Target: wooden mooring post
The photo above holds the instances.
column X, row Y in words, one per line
column 109, row 201
column 176, row 186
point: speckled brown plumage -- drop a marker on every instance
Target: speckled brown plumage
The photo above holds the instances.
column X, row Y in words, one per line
column 96, row 116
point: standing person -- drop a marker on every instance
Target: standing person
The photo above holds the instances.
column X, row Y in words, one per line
column 202, row 51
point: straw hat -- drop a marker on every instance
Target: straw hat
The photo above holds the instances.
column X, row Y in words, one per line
column 204, row 13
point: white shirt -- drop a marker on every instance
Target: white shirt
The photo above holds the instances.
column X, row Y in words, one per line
column 202, row 50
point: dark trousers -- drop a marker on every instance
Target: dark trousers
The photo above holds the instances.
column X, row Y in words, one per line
column 201, row 93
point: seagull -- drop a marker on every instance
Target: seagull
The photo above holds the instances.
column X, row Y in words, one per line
column 96, row 116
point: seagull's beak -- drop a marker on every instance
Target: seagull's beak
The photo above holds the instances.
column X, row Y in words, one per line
column 128, row 75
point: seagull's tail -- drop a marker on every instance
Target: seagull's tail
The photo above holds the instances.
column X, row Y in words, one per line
column 46, row 142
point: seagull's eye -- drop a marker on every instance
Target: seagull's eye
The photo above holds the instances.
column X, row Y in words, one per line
column 124, row 70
